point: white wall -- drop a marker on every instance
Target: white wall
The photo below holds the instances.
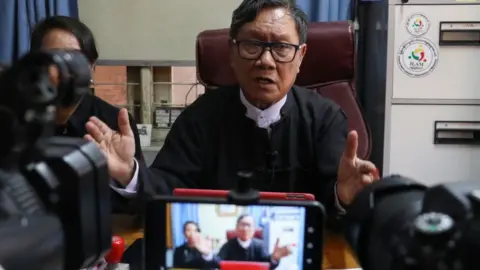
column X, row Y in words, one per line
column 158, row 30
column 213, row 225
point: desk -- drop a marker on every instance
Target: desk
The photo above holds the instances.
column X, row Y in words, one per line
column 126, row 227
column 337, row 254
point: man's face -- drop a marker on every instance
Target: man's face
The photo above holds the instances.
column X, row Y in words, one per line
column 246, row 228
column 190, row 231
column 266, row 81
column 60, row 39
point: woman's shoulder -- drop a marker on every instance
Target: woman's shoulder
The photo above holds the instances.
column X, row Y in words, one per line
column 181, row 247
column 103, row 105
column 105, row 111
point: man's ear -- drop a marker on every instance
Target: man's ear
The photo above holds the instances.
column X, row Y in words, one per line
column 231, row 49
column 301, row 54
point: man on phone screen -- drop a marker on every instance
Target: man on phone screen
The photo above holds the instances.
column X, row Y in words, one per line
column 291, row 138
column 244, row 247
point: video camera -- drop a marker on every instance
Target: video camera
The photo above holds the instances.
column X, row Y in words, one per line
column 54, row 191
column 399, row 224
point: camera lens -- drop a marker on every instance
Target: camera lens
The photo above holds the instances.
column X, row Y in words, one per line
column 433, row 223
column 383, row 211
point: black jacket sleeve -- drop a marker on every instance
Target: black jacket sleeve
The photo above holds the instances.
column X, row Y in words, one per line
column 223, row 254
column 179, row 163
column 329, row 146
column 138, row 149
column 178, row 258
column 261, row 253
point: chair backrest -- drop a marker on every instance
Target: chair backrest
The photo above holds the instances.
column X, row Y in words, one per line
column 233, row 233
column 328, row 68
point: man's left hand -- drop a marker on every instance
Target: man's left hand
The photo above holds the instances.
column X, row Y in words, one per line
column 353, row 173
column 118, row 147
column 280, row 252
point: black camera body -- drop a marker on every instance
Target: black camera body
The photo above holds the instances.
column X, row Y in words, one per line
column 54, row 191
column 399, row 224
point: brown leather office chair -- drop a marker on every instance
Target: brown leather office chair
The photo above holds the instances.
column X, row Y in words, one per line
column 233, row 233
column 328, row 68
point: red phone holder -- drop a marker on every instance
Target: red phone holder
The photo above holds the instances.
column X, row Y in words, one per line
column 236, row 265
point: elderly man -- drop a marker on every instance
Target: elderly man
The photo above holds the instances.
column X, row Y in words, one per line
column 247, row 248
column 292, row 138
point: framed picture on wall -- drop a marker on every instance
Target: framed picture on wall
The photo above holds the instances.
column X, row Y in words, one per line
column 226, row 210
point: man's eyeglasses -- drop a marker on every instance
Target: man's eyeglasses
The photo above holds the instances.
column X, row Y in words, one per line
column 244, row 225
column 253, row 50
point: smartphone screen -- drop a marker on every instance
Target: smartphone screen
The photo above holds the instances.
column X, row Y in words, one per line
column 211, row 233
column 225, row 236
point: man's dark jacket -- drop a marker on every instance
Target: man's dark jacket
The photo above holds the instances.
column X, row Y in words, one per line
column 213, row 139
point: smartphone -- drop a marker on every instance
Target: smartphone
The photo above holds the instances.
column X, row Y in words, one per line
column 187, row 192
column 210, row 233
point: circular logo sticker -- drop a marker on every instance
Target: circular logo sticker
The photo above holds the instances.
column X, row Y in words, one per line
column 417, row 57
column 417, row 24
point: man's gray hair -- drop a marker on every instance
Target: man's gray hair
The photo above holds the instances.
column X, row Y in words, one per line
column 249, row 9
column 242, row 216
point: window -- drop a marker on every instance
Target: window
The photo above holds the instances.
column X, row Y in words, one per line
column 148, row 92
column 110, row 84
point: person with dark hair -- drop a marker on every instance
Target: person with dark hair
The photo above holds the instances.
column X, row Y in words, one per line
column 187, row 255
column 60, row 32
column 291, row 138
